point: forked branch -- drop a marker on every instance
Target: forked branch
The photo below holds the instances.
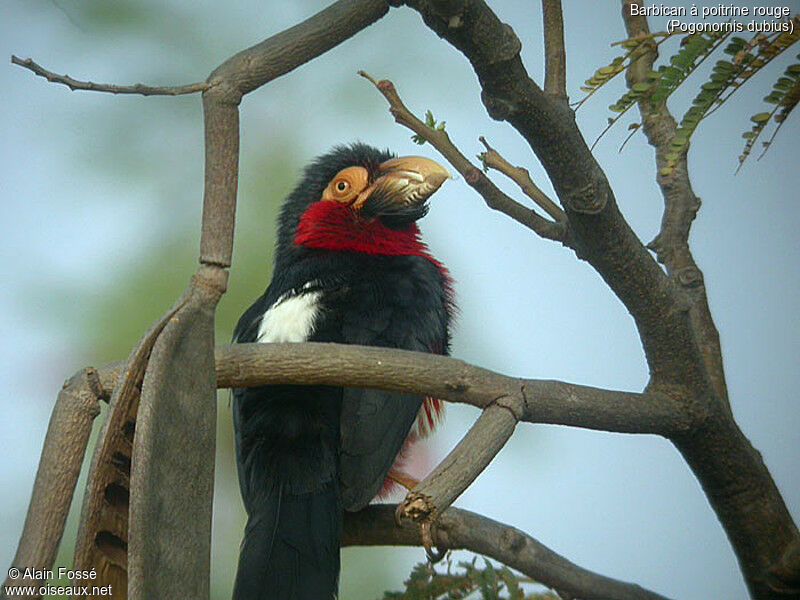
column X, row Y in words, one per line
column 507, row 400
column 492, row 159
column 491, row 194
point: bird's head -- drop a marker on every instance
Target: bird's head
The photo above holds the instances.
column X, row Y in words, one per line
column 358, row 198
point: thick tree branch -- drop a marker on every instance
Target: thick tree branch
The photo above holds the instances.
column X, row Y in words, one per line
column 460, row 529
column 555, row 65
column 507, row 400
column 491, row 194
column 733, row 476
column 553, row 402
column 732, row 472
column 680, row 208
column 68, row 433
column 287, row 50
column 600, row 233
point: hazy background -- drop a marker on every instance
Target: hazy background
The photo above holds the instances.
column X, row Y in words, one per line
column 100, row 208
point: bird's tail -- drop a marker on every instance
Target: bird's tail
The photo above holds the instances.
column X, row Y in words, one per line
column 290, row 549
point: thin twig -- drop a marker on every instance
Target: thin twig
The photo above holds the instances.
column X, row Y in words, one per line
column 492, row 195
column 519, row 175
column 139, row 88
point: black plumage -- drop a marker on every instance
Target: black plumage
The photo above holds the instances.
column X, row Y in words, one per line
column 305, row 453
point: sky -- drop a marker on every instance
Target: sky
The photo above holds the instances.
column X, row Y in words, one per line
column 95, row 186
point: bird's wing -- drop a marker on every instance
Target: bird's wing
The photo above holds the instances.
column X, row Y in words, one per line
column 374, row 426
column 375, row 423
column 246, row 331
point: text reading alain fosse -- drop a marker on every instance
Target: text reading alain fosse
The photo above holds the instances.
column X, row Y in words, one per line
column 754, row 19
column 79, row 586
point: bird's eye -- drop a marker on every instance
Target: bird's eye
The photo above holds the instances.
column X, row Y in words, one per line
column 346, row 185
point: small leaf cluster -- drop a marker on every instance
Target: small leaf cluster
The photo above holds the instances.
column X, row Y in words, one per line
column 693, row 51
column 430, row 122
column 747, row 58
column 636, row 92
column 723, row 75
column 604, row 74
column 633, row 48
column 785, row 95
column 466, row 581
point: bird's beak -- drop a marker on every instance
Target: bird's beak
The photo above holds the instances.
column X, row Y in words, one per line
column 399, row 192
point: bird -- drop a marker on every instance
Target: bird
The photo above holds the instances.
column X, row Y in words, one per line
column 349, row 267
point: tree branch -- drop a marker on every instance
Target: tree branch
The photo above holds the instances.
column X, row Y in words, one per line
column 601, row 235
column 287, row 50
column 491, row 194
column 243, row 73
column 555, row 67
column 460, row 529
column 139, row 88
column 506, row 400
column 463, row 464
column 732, row 473
column 733, row 476
column 65, row 444
column 553, row 402
column 493, row 160
column 671, row 245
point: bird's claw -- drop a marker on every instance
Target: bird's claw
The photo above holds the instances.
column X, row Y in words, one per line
column 418, row 507
column 434, row 554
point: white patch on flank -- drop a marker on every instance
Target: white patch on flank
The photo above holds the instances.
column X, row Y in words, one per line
column 291, row 318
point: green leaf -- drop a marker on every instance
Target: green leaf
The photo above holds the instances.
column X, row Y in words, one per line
column 760, row 117
column 724, row 66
